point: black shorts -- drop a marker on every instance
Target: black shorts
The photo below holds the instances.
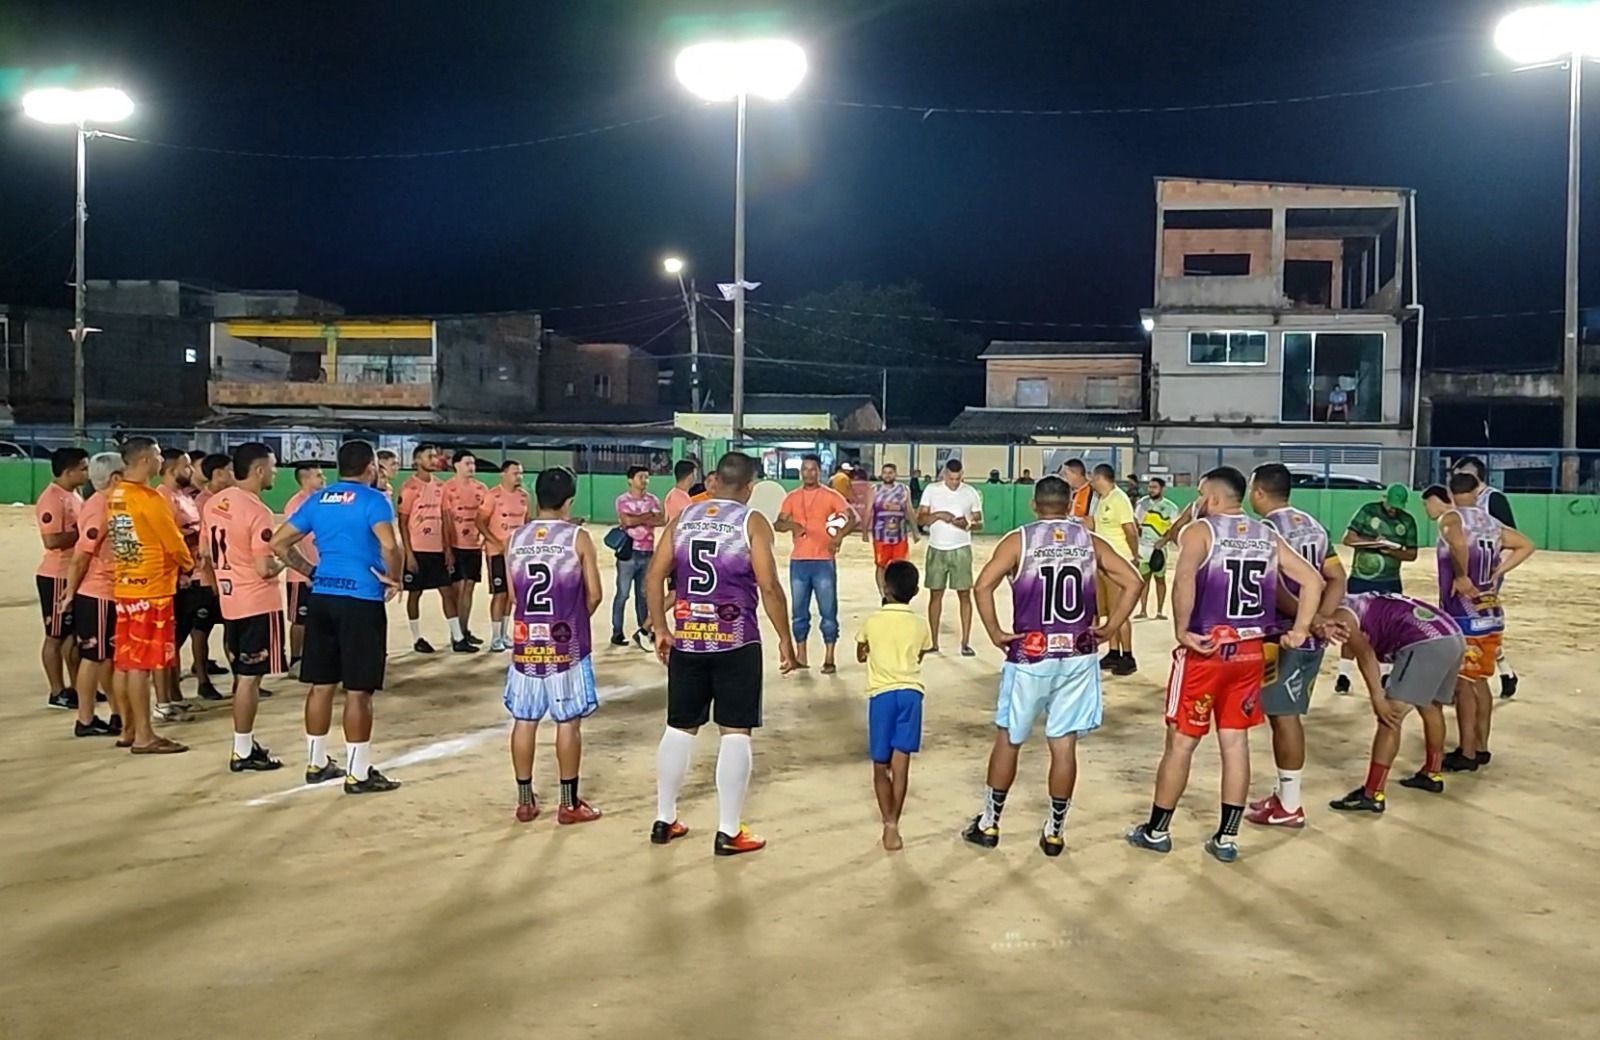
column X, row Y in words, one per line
column 497, row 574
column 299, row 601
column 57, row 624
column 95, row 622
column 431, row 572
column 725, row 684
column 346, row 643
column 469, row 565
column 256, row 644
column 194, row 609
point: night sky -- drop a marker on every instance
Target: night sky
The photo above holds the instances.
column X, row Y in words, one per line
column 1002, row 217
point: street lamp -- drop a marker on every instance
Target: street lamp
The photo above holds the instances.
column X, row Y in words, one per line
column 57, row 105
column 674, row 266
column 732, row 71
column 1530, row 36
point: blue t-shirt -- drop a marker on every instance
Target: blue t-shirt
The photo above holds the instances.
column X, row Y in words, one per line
column 340, row 517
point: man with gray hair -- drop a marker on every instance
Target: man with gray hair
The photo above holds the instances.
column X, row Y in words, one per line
column 88, row 594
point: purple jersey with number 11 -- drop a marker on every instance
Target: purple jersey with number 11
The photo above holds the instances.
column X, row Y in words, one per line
column 713, row 577
column 1053, row 593
column 1483, row 614
column 1236, row 587
column 550, row 606
column 1306, row 537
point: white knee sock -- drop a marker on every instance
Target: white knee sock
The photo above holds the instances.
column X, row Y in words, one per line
column 1502, row 665
column 672, row 765
column 1347, row 667
column 1289, row 788
column 734, row 763
column 316, row 750
column 416, row 628
column 457, row 633
column 355, row 759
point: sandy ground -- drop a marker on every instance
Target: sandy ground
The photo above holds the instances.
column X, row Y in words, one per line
column 169, row 898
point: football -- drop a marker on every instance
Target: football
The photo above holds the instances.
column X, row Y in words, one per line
column 836, row 523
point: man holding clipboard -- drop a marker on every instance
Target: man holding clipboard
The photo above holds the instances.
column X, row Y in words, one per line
column 1384, row 536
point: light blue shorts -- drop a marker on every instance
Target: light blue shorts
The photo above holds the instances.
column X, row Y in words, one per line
column 564, row 696
column 1065, row 690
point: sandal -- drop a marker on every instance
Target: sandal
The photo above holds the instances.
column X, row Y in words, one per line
column 829, row 669
column 160, row 746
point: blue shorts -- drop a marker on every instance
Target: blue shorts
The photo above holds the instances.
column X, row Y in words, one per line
column 564, row 696
column 1065, row 690
column 894, row 723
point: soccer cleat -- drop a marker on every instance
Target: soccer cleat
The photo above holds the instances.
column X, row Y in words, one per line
column 977, row 834
column 1271, row 813
column 422, row 646
column 1141, row 838
column 498, row 645
column 527, row 812
column 462, row 646
column 1456, row 762
column 258, row 761
column 95, row 727
column 1341, row 684
column 738, row 844
column 209, row 692
column 328, row 771
column 618, row 639
column 1222, row 851
column 662, row 832
column 63, row 700
column 171, row 713
column 1508, row 687
column 583, row 812
column 1052, row 845
column 470, row 638
column 375, row 783
column 1433, row 783
column 1358, row 801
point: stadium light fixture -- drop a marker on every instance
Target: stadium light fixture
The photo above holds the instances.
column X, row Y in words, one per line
column 672, row 265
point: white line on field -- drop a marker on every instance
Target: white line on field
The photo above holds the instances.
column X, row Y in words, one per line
column 440, row 748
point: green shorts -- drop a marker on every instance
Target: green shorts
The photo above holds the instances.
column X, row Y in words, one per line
column 948, row 569
column 1144, row 563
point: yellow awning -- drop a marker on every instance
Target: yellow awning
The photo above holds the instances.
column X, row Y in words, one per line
column 322, row 330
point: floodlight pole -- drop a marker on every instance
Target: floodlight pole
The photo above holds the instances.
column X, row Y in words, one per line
column 738, row 272
column 79, row 417
column 1569, row 361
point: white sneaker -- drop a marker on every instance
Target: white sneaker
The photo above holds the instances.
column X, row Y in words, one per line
column 498, row 645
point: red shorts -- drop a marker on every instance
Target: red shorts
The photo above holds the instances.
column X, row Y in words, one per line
column 1225, row 686
column 885, row 553
column 146, row 631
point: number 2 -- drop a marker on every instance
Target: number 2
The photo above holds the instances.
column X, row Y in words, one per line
column 538, row 599
column 702, row 567
column 1244, row 587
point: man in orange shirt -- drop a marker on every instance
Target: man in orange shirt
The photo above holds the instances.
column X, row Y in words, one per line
column 463, row 498
column 820, row 519
column 429, row 560
column 56, row 513
column 505, row 508
column 87, row 593
column 149, row 551
column 309, row 479
column 238, row 533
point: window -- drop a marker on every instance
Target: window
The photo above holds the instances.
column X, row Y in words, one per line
column 1215, row 264
column 1308, row 283
column 602, row 387
column 191, row 356
column 1333, row 376
column 1033, row 393
column 1102, row 392
column 1227, row 348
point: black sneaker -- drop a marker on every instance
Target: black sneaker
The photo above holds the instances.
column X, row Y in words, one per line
column 95, row 727
column 1485, row 757
column 1456, row 762
column 618, row 639
column 114, row 725
column 258, row 760
column 462, row 646
column 329, row 771
column 987, row 837
column 100, row 697
column 63, row 700
column 1341, row 684
column 1125, row 665
column 373, row 784
column 644, row 640
column 1109, row 661
column 662, row 832
column 422, row 646
column 1052, row 845
column 209, row 692
column 1357, row 801
column 1433, row 783
column 474, row 640
column 213, row 668
column 1508, row 687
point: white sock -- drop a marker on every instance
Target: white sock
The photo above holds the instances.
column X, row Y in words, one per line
column 500, row 628
column 734, row 762
column 672, row 765
column 355, row 759
column 1289, row 788
column 243, row 744
column 1385, row 669
column 416, row 628
column 456, row 632
column 1346, row 666
column 1502, row 665
column 316, row 750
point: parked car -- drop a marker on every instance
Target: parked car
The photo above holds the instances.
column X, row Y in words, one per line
column 1316, row 478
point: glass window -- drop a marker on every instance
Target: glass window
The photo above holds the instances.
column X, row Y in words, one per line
column 602, row 386
column 1333, row 377
column 191, row 356
column 1102, row 391
column 1033, row 393
column 1225, row 347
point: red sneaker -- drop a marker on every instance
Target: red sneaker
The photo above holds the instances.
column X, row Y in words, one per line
column 583, row 812
column 1262, row 803
column 739, row 843
column 1271, row 813
column 527, row 813
column 662, row 832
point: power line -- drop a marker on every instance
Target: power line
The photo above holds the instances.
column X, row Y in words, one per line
column 760, row 309
column 939, row 318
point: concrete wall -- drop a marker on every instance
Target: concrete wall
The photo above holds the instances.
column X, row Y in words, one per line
column 487, row 366
column 135, row 366
column 1067, row 378
column 321, row 395
column 570, row 370
column 1010, row 459
column 1176, row 243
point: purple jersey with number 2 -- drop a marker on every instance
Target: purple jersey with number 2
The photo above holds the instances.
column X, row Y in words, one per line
column 714, row 581
column 1052, row 593
column 550, row 606
column 1392, row 622
column 1236, row 587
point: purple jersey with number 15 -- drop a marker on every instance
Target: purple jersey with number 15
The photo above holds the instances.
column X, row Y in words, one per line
column 1053, row 593
column 713, row 578
column 550, row 606
column 1236, row 587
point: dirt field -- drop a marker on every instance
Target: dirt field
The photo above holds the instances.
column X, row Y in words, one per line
column 168, row 898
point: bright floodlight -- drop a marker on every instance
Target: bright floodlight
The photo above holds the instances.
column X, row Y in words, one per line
column 672, row 265
column 59, row 105
column 1148, row 324
column 721, row 71
column 1549, row 31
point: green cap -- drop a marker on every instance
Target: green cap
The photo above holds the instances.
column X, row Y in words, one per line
column 1395, row 495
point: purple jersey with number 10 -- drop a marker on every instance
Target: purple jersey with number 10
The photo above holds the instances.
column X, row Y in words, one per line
column 1053, row 593
column 1392, row 622
column 889, row 513
column 550, row 606
column 1236, row 587
column 713, row 577
column 1306, row 537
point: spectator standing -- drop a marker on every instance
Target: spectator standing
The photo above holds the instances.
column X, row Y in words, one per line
column 639, row 513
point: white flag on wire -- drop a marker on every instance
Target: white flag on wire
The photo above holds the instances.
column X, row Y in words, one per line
column 728, row 287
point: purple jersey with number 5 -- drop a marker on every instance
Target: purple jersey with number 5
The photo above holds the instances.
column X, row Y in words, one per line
column 1392, row 622
column 1236, row 587
column 713, row 578
column 550, row 606
column 1052, row 593
column 1482, row 614
column 889, row 513
column 1306, row 537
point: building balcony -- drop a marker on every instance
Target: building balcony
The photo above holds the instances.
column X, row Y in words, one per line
column 349, row 365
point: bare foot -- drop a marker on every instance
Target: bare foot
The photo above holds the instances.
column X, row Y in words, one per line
column 891, row 838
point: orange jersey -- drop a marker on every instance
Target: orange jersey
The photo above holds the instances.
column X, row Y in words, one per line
column 463, row 498
column 677, row 499
column 56, row 512
column 92, row 542
column 423, row 503
column 307, row 546
column 238, row 530
column 504, row 510
column 147, row 548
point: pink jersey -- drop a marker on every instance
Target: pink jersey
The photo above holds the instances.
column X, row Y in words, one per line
column 56, row 513
column 238, row 530
column 504, row 510
column 92, row 542
column 187, row 516
column 677, row 499
column 423, row 503
column 463, row 497
column 307, row 546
